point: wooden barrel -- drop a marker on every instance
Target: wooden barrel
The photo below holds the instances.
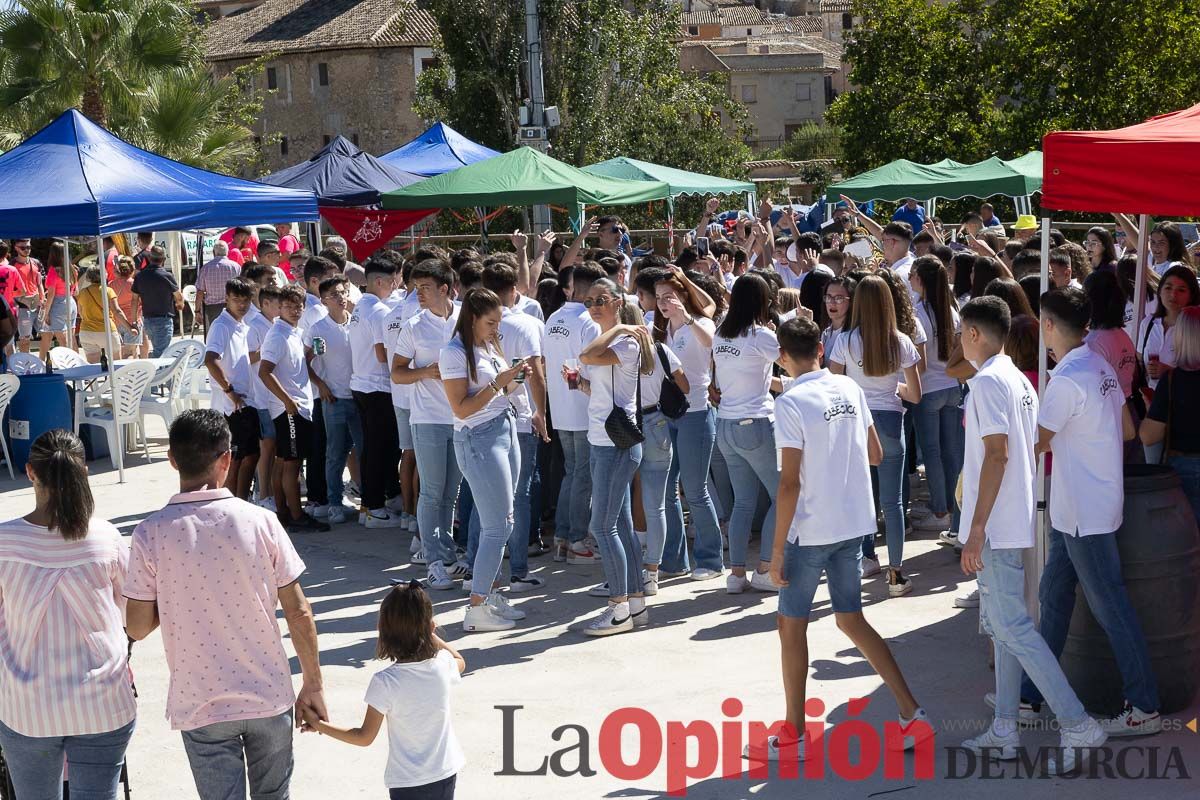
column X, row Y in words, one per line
column 1160, row 561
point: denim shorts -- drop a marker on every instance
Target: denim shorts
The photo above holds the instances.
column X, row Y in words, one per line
column 802, row 567
column 266, row 425
column 404, row 427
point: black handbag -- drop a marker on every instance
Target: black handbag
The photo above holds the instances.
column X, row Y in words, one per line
column 672, row 402
column 623, row 431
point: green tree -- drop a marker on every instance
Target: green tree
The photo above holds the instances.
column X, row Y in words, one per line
column 134, row 66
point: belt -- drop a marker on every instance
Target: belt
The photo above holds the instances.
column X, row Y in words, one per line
column 1181, row 454
column 650, row 409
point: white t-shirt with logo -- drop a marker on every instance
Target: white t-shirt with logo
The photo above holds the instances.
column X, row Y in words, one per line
column 568, row 331
column 743, row 367
column 521, row 337
column 1002, row 401
column 604, row 395
column 488, row 364
column 826, row 417
column 696, row 359
column 934, row 378
column 259, row 326
column 421, row 341
column 414, row 698
column 1115, row 346
column 369, row 374
column 227, row 338
column 1082, row 407
column 284, row 348
column 879, row 389
column 335, row 366
column 408, row 308
column 1153, row 340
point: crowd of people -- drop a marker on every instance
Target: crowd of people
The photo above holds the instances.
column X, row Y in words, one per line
column 647, row 415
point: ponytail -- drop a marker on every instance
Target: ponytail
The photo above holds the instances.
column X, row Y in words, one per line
column 58, row 461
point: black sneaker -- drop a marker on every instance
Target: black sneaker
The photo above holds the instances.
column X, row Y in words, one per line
column 306, row 524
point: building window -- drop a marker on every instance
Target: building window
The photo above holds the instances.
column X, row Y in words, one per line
column 803, row 91
column 749, row 32
column 847, row 21
column 750, row 93
column 830, row 94
column 428, row 63
column 322, row 74
column 693, row 30
column 326, row 139
column 283, row 146
column 272, row 78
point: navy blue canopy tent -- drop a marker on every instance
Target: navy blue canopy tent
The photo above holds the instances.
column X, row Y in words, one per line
column 74, row 178
column 343, row 175
column 438, row 150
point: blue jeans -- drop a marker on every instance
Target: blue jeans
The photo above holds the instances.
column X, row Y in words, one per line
column 93, row 761
column 940, row 430
column 518, row 543
column 1017, row 643
column 1188, row 469
column 159, row 330
column 656, row 464
column 720, row 486
column 1094, row 563
column 890, row 492
column 224, row 754
column 612, row 519
column 343, row 430
column 749, row 449
column 571, row 516
column 433, row 445
column 491, row 461
column 693, row 436
column 841, row 562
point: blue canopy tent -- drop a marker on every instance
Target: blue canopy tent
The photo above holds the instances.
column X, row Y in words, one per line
column 438, row 150
column 343, row 175
column 74, row 178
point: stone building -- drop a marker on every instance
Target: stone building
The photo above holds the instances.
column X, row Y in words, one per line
column 345, row 67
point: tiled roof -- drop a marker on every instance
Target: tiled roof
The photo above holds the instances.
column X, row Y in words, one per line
column 804, row 24
column 701, row 18
column 838, row 6
column 742, row 15
column 305, row 25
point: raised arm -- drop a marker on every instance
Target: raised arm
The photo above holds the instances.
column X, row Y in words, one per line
column 873, row 227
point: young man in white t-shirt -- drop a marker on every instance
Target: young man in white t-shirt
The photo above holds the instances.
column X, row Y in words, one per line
column 1083, row 421
column 998, row 513
column 824, row 507
column 327, row 350
column 284, row 371
column 315, row 271
column 259, row 319
column 228, row 362
column 401, row 313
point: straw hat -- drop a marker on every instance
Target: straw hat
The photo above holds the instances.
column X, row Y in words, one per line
column 1026, row 222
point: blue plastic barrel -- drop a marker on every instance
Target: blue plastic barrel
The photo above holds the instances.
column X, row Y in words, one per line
column 41, row 404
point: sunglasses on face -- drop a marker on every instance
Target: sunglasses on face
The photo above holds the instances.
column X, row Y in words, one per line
column 599, row 301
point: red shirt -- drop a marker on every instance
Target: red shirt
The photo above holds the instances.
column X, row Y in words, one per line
column 236, row 256
column 55, row 283
column 11, row 284
column 31, row 274
column 110, row 263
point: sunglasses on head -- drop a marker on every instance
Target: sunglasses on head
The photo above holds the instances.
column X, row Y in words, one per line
column 599, row 301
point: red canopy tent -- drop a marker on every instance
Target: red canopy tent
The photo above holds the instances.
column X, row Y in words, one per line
column 1149, row 168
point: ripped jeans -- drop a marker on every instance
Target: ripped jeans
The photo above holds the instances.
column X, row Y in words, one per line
column 490, row 459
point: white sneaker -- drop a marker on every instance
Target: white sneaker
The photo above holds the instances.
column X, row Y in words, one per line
column 948, row 538
column 268, row 503
column 380, row 518
column 1075, row 744
column 898, row 585
column 914, row 731
column 395, row 504
column 1026, row 713
column 771, row 752
column 641, row 618
column 614, row 619
column 438, row 579
column 649, row 582
column 501, row 606
column 993, row 745
column 339, row 514
column 736, row 584
column 351, row 491
column 484, row 618
column 414, row 546
column 458, row 570
column 761, row 582
column 1132, row 721
column 870, row 567
column 918, row 511
column 600, row 590
column 526, row 584
column 580, row 553
column 560, row 550
column 968, row 600
column 316, row 511
column 705, row 574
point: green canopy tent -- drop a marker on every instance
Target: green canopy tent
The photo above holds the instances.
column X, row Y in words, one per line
column 524, row 177
column 949, row 180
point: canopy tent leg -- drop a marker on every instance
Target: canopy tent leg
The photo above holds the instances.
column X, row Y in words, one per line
column 69, row 269
column 1139, row 274
column 1042, row 531
column 108, row 338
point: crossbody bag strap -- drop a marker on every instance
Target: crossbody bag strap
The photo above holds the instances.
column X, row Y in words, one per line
column 662, row 358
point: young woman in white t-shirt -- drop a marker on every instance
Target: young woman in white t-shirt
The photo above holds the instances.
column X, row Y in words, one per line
column 884, row 362
column 680, row 325
column 477, row 381
column 839, row 303
column 1176, row 291
column 615, row 360
column 938, row 417
column 744, row 351
column 413, row 695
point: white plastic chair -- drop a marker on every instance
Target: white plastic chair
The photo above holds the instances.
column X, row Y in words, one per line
column 191, row 349
column 165, row 406
column 129, row 384
column 189, row 297
column 9, row 384
column 65, row 358
column 25, row 364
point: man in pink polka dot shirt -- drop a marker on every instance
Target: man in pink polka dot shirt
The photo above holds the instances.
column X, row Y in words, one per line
column 211, row 569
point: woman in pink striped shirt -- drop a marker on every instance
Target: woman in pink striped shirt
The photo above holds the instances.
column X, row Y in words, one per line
column 65, row 692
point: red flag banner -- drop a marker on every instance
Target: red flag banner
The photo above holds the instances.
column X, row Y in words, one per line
column 366, row 229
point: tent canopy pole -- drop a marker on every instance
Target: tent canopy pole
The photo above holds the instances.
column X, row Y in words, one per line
column 100, row 261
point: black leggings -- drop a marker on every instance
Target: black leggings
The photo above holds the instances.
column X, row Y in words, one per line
column 438, row 790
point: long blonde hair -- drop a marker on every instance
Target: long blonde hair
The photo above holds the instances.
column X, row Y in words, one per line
column 630, row 314
column 1187, row 338
column 874, row 317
